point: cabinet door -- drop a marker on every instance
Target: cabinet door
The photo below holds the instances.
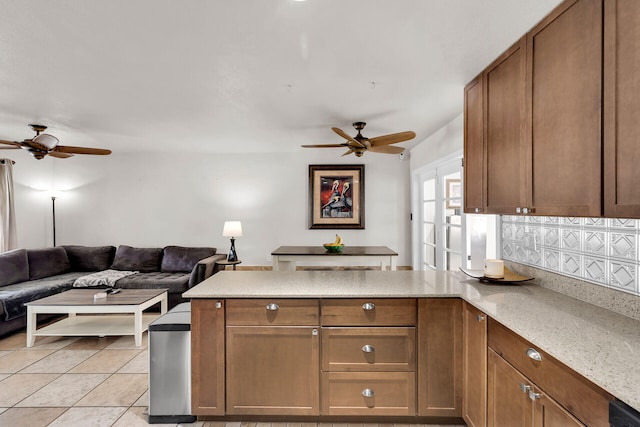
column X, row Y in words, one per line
column 273, row 370
column 564, row 66
column 508, row 402
column 474, row 398
column 207, row 357
column 505, row 143
column 621, row 109
column 440, row 357
column 473, row 147
column 547, row 412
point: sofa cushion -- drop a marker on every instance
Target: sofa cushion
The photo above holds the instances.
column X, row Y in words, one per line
column 90, row 258
column 179, row 259
column 174, row 282
column 14, row 266
column 143, row 260
column 47, row 262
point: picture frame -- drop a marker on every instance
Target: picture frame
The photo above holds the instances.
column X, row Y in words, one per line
column 453, row 189
column 336, row 196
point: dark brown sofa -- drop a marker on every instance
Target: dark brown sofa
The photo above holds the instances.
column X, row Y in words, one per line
column 30, row 274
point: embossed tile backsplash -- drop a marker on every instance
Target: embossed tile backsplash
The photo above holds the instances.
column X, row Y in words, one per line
column 603, row 251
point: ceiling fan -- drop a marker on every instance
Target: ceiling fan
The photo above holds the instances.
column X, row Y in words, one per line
column 44, row 144
column 359, row 144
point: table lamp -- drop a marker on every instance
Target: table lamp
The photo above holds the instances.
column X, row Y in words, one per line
column 232, row 229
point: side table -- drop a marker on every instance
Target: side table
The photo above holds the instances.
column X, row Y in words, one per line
column 224, row 263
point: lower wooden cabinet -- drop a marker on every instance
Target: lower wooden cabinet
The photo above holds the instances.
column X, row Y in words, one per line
column 474, row 360
column 440, row 357
column 207, row 357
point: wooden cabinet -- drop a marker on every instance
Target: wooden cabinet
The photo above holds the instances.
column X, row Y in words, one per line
column 542, row 120
column 543, row 381
column 207, row 357
column 474, row 351
column 564, row 103
column 513, row 401
column 474, row 147
column 504, row 126
column 621, row 108
column 369, row 357
column 275, row 362
column 440, row 357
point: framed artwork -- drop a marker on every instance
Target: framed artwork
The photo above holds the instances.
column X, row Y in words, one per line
column 336, row 196
column 453, row 190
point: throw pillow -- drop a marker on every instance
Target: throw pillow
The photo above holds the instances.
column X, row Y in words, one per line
column 179, row 259
column 90, row 258
column 144, row 260
column 14, row 267
column 47, row 262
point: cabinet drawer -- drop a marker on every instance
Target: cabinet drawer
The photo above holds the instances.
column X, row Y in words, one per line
column 369, row 349
column 585, row 400
column 273, row 312
column 377, row 393
column 369, row 312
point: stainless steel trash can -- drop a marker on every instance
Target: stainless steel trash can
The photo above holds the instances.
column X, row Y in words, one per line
column 170, row 368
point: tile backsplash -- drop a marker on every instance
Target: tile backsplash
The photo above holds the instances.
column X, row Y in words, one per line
column 603, row 251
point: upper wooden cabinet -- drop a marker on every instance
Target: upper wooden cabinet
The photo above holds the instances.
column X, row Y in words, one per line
column 541, row 107
column 505, row 139
column 474, row 147
column 564, row 102
column 621, row 108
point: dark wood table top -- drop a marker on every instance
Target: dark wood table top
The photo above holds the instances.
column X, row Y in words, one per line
column 85, row 297
column 346, row 251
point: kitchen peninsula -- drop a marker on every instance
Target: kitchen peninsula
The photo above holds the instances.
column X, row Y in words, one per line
column 288, row 339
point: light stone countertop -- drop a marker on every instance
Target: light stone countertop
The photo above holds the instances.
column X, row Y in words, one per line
column 599, row 344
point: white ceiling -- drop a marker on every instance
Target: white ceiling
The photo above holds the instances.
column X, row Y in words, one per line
column 244, row 75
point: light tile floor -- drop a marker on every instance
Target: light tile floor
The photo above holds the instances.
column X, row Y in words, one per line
column 86, row 382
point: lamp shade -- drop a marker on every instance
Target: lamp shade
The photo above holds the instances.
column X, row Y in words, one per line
column 232, row 229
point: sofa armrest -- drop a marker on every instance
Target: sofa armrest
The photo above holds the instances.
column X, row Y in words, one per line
column 205, row 268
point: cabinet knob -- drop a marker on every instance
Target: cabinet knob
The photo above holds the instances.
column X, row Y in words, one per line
column 368, row 306
column 518, row 210
column 533, row 354
column 480, row 317
column 272, row 306
column 218, row 304
column 533, row 395
column 525, row 210
column 478, row 210
column 367, row 392
column 368, row 348
column 525, row 388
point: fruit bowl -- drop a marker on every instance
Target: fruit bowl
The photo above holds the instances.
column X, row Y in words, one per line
column 333, row 248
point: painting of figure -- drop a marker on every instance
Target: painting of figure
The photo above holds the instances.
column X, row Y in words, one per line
column 336, row 196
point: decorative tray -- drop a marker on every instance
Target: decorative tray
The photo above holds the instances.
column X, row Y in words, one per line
column 509, row 276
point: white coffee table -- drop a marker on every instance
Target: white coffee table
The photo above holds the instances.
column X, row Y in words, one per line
column 117, row 314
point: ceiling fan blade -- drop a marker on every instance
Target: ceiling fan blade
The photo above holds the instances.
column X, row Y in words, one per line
column 392, row 138
column 60, row 155
column 347, row 137
column 14, row 143
column 81, row 150
column 324, row 146
column 347, row 153
column 387, row 149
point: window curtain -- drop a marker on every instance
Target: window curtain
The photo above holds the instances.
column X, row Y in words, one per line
column 8, row 234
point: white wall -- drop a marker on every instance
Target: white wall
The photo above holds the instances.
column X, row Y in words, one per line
column 445, row 141
column 156, row 199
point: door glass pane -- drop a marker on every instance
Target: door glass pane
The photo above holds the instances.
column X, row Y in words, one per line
column 430, row 212
column 429, row 233
column 429, row 189
column 453, row 261
column 429, row 257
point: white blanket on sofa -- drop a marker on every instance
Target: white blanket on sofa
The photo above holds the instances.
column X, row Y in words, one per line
column 101, row 278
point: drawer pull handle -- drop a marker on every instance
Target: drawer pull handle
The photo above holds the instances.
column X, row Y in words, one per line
column 272, row 307
column 480, row 318
column 525, row 388
column 368, row 348
column 533, row 395
column 368, row 306
column 367, row 392
column 533, row 354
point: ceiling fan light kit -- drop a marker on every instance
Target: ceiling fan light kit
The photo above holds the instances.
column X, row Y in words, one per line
column 44, row 144
column 359, row 144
